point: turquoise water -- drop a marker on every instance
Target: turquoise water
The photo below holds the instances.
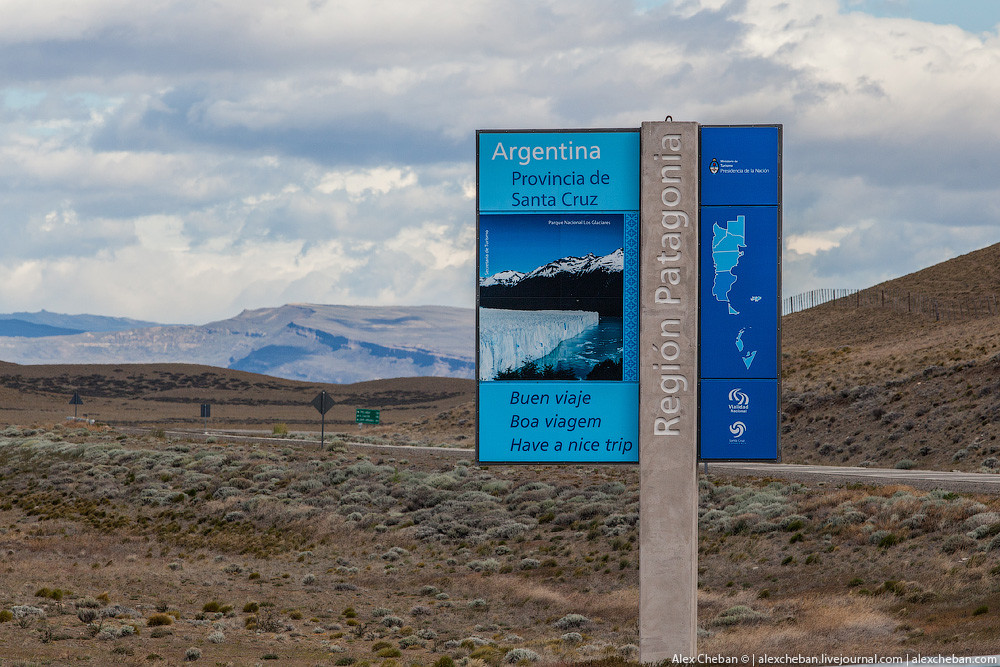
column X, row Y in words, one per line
column 581, row 353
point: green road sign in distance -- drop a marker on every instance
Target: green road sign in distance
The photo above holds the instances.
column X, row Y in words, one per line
column 362, row 416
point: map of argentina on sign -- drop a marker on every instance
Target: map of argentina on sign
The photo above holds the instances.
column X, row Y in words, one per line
column 739, row 292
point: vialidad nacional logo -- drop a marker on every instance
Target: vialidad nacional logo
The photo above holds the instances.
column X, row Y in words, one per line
column 739, row 402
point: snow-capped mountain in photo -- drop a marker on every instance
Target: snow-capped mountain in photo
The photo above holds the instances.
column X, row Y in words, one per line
column 590, row 283
column 589, row 263
column 502, row 278
column 611, row 263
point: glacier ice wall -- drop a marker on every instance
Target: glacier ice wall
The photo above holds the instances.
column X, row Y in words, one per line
column 509, row 338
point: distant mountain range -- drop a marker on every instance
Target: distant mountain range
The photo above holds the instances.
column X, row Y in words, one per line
column 591, row 283
column 44, row 323
column 322, row 343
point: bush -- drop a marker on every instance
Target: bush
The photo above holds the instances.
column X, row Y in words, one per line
column 159, row 619
column 957, row 543
column 192, row 654
column 571, row 621
column 6, row 615
column 883, row 539
column 280, row 429
column 737, row 615
column 488, row 566
column 87, row 615
column 905, row 464
column 517, row 655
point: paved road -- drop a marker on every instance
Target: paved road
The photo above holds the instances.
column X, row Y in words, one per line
column 965, row 482
column 962, row 482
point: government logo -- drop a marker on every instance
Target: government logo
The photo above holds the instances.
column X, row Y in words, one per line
column 739, row 402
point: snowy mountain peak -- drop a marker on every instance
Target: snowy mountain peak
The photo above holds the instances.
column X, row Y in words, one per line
column 589, row 263
column 503, row 278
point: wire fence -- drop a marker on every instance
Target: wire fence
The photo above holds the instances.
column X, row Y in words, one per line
column 898, row 300
column 811, row 299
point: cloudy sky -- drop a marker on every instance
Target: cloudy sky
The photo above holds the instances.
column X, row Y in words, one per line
column 180, row 161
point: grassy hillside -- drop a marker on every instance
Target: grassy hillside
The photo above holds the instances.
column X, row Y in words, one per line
column 873, row 386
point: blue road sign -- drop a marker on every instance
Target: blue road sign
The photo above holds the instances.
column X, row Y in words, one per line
column 739, row 329
column 557, row 296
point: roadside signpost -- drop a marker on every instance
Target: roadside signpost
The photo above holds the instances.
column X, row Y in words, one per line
column 323, row 402
column 685, row 321
column 363, row 416
column 206, row 412
column 76, row 402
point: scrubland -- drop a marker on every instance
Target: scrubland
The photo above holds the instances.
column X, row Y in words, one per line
column 120, row 548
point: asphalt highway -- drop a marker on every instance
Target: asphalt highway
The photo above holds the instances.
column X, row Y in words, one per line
column 959, row 482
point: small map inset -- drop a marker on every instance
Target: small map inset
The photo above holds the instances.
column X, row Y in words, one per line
column 749, row 355
column 727, row 248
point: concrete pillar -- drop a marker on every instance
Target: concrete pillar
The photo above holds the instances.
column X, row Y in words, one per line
column 668, row 394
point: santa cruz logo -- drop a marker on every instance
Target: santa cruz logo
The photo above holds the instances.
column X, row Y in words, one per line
column 714, row 166
column 738, row 429
column 739, row 402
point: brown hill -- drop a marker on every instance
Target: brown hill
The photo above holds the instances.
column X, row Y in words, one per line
column 169, row 395
column 867, row 383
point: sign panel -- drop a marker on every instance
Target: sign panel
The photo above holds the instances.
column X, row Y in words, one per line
column 206, row 410
column 323, row 402
column 557, row 296
column 740, row 324
column 739, row 292
column 363, row 416
column 738, row 419
column 741, row 165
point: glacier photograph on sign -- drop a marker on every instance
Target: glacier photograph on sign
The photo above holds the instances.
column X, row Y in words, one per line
column 556, row 296
column 561, row 280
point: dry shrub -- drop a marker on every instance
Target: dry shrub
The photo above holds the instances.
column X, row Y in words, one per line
column 809, row 627
column 159, row 619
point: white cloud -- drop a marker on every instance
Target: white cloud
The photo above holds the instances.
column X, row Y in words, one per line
column 810, row 244
column 178, row 161
column 358, row 183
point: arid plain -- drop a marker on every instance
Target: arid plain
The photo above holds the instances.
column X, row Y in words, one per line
column 140, row 539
